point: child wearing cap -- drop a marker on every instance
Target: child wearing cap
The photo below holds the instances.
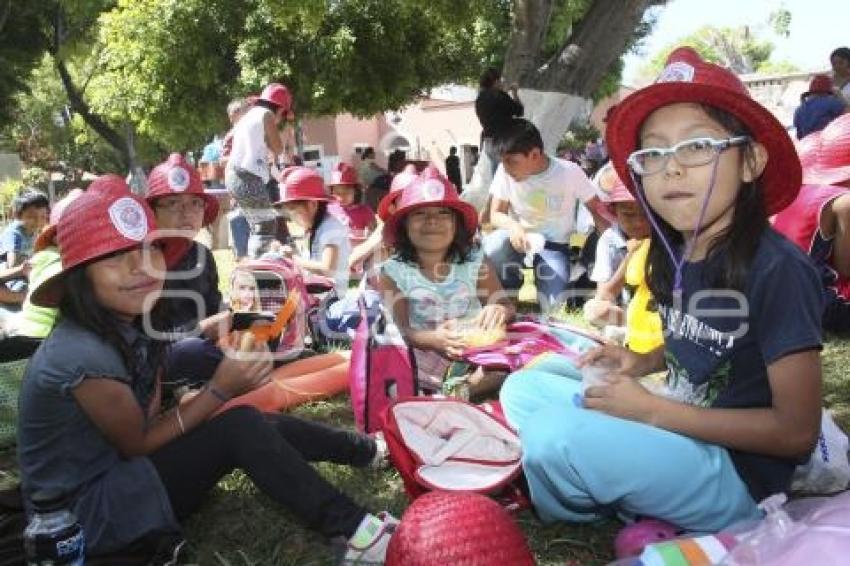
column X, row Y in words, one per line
column 438, row 281
column 347, row 190
column 32, row 324
column 248, row 171
column 373, row 250
column 818, row 220
column 197, row 317
column 306, row 201
column 91, row 424
column 741, row 309
column 613, row 249
column 533, row 192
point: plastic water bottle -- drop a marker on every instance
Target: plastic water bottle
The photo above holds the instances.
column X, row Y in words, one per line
column 53, row 536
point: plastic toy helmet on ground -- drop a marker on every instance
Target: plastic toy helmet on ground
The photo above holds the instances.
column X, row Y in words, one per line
column 461, row 529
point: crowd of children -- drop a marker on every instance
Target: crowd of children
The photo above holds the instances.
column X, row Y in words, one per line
column 690, row 215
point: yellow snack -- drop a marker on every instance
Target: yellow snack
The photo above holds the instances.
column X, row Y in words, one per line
column 475, row 337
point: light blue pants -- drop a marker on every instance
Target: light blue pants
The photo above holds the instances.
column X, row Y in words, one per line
column 582, row 464
column 551, row 267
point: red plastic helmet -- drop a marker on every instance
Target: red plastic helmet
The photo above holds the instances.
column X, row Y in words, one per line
column 301, row 183
column 176, row 176
column 344, row 174
column 278, row 94
column 468, row 529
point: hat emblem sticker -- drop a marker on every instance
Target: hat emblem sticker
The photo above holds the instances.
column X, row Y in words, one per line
column 178, row 179
column 129, row 219
column 433, row 189
column 677, row 72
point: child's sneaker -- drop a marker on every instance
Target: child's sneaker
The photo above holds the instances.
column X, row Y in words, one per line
column 369, row 544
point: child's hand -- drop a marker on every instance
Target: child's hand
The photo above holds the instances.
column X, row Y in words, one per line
column 246, row 364
column 518, row 240
column 628, row 362
column 491, row 317
column 447, row 340
column 623, row 397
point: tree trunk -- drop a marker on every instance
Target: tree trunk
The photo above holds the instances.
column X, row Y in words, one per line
column 557, row 90
column 75, row 96
column 79, row 105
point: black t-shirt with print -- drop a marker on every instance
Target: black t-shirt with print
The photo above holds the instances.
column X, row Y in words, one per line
column 718, row 343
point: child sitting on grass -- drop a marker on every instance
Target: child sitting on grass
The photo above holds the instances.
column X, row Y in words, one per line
column 741, row 308
column 91, row 425
column 438, row 281
column 305, row 200
column 612, row 254
column 30, row 210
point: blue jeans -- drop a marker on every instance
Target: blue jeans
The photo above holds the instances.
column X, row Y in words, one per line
column 551, row 267
column 240, row 231
column 582, row 464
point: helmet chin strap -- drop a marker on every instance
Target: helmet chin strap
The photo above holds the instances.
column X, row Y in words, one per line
column 679, row 263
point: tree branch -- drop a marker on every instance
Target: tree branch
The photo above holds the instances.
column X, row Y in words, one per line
column 528, row 34
column 596, row 41
column 75, row 97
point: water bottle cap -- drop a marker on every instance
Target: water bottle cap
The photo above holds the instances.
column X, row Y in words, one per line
column 48, row 500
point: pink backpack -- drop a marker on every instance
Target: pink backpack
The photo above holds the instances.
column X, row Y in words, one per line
column 526, row 340
column 447, row 444
column 381, row 370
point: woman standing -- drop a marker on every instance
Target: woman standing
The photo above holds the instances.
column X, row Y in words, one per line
column 255, row 140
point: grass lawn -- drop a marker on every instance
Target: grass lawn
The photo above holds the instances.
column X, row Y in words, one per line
column 241, row 527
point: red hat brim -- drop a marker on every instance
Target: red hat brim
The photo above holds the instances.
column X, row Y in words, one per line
column 385, row 204
column 782, row 176
column 49, row 293
column 467, row 211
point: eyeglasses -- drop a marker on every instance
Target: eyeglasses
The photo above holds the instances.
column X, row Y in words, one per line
column 688, row 153
column 177, row 205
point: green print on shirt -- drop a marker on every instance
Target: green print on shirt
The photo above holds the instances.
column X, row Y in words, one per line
column 682, row 388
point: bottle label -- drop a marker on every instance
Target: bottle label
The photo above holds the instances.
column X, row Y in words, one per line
column 66, row 547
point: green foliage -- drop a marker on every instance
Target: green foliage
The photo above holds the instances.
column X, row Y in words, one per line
column 780, row 21
column 578, row 135
column 20, row 52
column 9, row 189
column 35, row 177
column 771, row 67
column 48, row 135
column 737, row 48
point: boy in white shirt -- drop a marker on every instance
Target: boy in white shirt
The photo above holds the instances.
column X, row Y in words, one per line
column 533, row 192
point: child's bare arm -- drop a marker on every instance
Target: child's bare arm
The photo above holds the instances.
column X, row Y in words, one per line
column 493, row 298
column 325, row 266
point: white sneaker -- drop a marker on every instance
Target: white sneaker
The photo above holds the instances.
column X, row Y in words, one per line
column 369, row 544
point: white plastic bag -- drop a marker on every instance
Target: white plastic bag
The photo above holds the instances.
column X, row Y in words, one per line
column 828, row 469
